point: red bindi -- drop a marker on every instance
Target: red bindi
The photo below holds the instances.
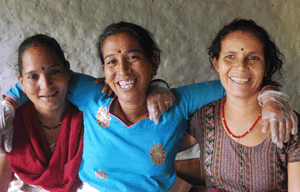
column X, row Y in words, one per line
column 242, row 49
column 43, row 68
column 36, row 46
column 242, row 33
column 119, row 51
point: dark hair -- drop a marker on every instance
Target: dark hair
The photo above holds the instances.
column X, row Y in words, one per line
column 143, row 36
column 273, row 57
column 47, row 42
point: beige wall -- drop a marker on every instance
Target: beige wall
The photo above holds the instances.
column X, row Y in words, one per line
column 182, row 28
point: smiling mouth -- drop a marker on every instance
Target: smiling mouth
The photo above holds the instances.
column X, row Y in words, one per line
column 49, row 95
column 239, row 80
column 127, row 84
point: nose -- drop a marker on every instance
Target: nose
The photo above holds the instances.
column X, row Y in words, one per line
column 241, row 64
column 123, row 67
column 45, row 82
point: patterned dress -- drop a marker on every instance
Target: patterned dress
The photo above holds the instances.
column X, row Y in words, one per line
column 234, row 167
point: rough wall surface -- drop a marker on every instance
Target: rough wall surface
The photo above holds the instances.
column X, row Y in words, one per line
column 182, row 28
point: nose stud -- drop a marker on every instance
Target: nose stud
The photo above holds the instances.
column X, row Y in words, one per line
column 129, row 69
column 247, row 67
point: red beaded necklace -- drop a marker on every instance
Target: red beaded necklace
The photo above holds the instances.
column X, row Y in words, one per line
column 227, row 129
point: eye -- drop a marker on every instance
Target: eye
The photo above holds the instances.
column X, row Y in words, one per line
column 254, row 58
column 132, row 57
column 111, row 62
column 33, row 76
column 54, row 72
column 229, row 56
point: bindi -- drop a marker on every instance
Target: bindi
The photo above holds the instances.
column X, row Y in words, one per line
column 36, row 46
column 119, row 51
column 43, row 68
column 242, row 49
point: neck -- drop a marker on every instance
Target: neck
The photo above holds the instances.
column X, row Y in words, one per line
column 242, row 107
column 52, row 118
column 133, row 111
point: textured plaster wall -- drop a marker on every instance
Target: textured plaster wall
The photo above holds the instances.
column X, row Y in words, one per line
column 182, row 28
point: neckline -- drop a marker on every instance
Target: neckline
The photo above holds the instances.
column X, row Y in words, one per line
column 228, row 136
column 124, row 123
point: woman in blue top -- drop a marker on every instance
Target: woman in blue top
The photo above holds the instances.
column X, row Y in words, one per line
column 123, row 150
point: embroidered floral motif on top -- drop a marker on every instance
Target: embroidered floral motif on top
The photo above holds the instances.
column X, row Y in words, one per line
column 157, row 154
column 103, row 117
column 101, row 174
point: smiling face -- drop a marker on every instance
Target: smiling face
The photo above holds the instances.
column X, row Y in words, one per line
column 44, row 79
column 241, row 64
column 126, row 67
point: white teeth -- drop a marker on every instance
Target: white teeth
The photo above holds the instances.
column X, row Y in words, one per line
column 126, row 84
column 239, row 80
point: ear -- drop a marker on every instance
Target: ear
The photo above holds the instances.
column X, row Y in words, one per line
column 103, row 67
column 216, row 65
column 20, row 79
column 155, row 63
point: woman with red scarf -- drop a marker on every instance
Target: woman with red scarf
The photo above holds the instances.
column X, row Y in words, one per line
column 47, row 147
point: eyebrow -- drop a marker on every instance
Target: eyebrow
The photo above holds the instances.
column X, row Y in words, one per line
column 129, row 51
column 33, row 71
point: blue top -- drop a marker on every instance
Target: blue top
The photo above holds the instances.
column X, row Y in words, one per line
column 140, row 157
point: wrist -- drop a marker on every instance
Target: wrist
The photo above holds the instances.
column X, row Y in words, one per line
column 159, row 82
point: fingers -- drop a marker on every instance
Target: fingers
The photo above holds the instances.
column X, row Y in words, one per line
column 154, row 112
column 105, row 88
column 8, row 141
column 281, row 134
column 110, row 92
column 288, row 132
column 100, row 80
column 294, row 123
column 274, row 131
column 265, row 125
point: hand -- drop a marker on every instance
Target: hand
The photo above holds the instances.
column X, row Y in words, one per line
column 106, row 88
column 7, row 114
column 278, row 116
column 159, row 99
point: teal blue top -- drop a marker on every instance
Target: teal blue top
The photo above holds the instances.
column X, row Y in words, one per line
column 140, row 157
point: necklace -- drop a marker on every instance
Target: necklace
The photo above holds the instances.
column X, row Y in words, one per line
column 227, row 129
column 54, row 127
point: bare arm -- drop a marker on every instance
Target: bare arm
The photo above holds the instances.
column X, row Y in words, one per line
column 293, row 176
column 5, row 173
column 188, row 142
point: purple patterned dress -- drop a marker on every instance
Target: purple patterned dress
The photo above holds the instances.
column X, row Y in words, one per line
column 234, row 167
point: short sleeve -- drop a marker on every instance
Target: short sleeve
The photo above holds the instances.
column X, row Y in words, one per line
column 17, row 94
column 293, row 153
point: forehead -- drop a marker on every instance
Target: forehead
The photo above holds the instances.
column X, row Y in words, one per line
column 38, row 56
column 241, row 39
column 123, row 41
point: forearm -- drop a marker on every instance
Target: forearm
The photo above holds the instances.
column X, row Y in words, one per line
column 293, row 176
column 5, row 173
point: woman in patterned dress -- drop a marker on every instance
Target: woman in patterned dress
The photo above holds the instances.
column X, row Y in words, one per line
column 235, row 154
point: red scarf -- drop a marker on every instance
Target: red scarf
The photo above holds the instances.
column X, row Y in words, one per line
column 31, row 158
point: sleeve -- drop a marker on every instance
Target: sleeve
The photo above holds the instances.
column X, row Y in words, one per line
column 192, row 97
column 17, row 94
column 293, row 153
column 82, row 88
